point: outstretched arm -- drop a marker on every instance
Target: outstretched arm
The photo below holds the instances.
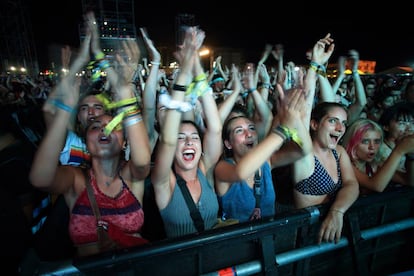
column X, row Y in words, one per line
column 44, row 173
column 384, row 174
column 355, row 109
column 161, row 173
column 321, row 52
column 262, row 115
column 150, row 92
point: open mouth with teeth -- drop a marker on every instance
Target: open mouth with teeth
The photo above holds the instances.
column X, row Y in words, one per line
column 189, row 155
column 104, row 139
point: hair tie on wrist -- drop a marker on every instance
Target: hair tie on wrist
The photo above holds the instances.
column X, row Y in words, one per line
column 165, row 100
column 59, row 104
column 178, row 87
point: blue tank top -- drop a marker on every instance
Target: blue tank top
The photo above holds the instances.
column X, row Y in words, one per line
column 239, row 201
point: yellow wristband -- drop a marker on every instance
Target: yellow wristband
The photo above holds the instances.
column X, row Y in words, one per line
column 99, row 56
column 116, row 121
column 122, row 103
column 200, row 77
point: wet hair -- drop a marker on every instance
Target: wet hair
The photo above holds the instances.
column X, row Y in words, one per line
column 355, row 132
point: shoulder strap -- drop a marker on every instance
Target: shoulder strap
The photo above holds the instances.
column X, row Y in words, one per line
column 257, row 191
column 104, row 241
column 91, row 196
column 194, row 212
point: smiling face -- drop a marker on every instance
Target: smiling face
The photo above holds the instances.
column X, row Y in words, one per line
column 101, row 145
column 242, row 136
column 189, row 147
column 331, row 127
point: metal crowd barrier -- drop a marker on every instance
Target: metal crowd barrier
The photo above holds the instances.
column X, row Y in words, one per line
column 378, row 238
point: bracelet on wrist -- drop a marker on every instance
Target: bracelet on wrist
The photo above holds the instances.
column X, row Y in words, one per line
column 266, row 85
column 337, row 210
column 280, row 131
column 290, row 134
column 250, row 90
column 178, row 87
column 59, row 104
column 99, row 56
column 132, row 120
column 200, row 77
column 319, row 69
column 165, row 100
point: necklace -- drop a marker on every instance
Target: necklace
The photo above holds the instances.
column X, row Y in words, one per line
column 108, row 182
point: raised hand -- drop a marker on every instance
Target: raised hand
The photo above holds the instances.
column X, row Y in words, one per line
column 323, row 49
column 128, row 61
column 152, row 51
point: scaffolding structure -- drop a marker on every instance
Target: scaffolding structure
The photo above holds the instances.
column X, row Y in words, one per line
column 116, row 20
column 17, row 47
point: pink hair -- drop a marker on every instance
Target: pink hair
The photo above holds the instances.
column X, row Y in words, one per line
column 355, row 133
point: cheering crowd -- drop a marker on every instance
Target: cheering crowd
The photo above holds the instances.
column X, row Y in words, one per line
column 134, row 154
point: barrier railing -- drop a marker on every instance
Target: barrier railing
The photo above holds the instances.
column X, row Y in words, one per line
column 378, row 238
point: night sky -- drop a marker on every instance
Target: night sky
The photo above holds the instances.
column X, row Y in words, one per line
column 382, row 33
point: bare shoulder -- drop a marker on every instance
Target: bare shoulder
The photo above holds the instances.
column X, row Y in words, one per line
column 80, row 176
column 341, row 151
